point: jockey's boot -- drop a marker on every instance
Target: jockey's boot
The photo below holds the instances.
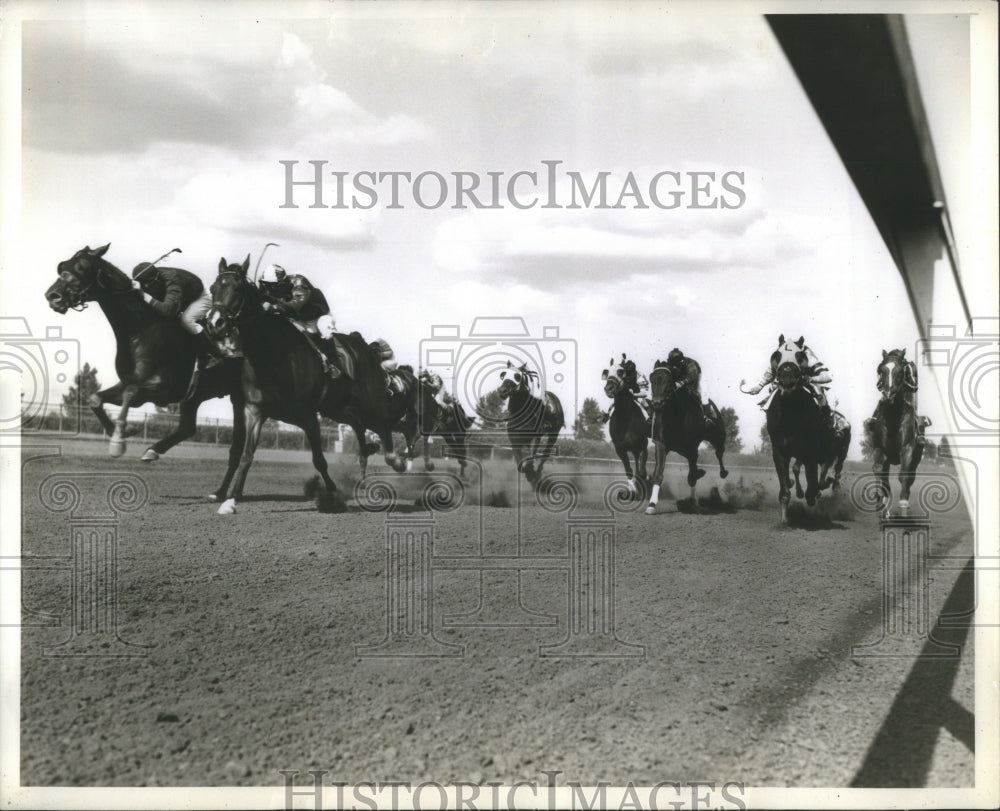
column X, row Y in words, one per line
column 827, row 413
column 922, row 423
column 605, row 416
column 329, row 370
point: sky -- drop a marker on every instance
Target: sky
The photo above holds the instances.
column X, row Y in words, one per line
column 150, row 128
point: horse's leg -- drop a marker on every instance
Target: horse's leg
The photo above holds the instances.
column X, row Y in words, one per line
column 254, row 423
column 235, row 449
column 518, row 450
column 661, row 458
column 391, row 459
column 796, row 469
column 186, row 426
column 622, row 452
column 694, row 473
column 880, row 467
column 719, row 450
column 315, row 439
column 812, row 483
column 642, row 462
column 113, row 394
column 784, row 492
column 907, row 474
column 545, row 452
column 428, row 464
column 118, row 444
column 364, row 449
column 412, row 434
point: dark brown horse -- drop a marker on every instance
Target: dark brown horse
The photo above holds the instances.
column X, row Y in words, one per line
column 446, row 420
column 629, row 429
column 796, row 425
column 154, row 357
column 894, row 430
column 533, row 423
column 680, row 425
column 288, row 381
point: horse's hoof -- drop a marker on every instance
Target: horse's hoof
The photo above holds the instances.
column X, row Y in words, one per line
column 409, row 465
column 150, row 455
column 723, row 474
column 651, row 509
column 429, row 467
column 116, row 447
column 699, row 474
column 228, row 507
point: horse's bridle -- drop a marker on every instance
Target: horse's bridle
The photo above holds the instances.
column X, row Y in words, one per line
column 232, row 317
column 893, row 390
column 79, row 303
column 657, row 405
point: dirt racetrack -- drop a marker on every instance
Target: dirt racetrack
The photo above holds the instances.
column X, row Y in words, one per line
column 736, row 664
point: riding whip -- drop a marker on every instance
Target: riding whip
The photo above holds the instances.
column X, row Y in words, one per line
column 259, row 258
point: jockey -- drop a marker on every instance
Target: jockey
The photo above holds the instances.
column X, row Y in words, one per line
column 305, row 306
column 686, row 371
column 435, row 384
column 816, row 378
column 172, row 292
column 295, row 297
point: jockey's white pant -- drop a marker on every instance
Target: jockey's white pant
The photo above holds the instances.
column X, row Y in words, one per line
column 196, row 311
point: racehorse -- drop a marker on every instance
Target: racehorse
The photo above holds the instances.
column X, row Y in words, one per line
column 680, row 425
column 154, row 357
column 796, row 426
column 892, row 431
column 448, row 421
column 533, row 423
column 629, row 429
column 287, row 380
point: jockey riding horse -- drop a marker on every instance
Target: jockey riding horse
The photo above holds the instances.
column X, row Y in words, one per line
column 304, row 304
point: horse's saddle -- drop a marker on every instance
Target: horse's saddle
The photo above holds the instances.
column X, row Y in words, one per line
column 711, row 413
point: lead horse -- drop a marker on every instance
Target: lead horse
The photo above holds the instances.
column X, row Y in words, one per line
column 679, row 425
column 154, row 356
column 893, row 431
column 287, row 380
column 796, row 425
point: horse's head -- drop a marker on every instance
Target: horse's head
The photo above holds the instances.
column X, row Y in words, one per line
column 234, row 298
column 82, row 278
column 661, row 384
column 613, row 384
column 895, row 374
column 516, row 378
column 786, row 364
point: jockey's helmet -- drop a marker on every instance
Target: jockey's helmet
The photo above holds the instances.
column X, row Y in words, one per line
column 144, row 272
column 273, row 273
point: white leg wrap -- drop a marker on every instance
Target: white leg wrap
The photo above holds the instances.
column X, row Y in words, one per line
column 228, row 507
